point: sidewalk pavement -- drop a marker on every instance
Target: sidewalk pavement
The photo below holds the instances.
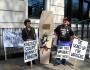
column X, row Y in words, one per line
column 18, row 64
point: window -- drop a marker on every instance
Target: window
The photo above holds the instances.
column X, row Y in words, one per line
column 75, row 8
column 87, row 0
column 65, row 9
column 35, row 8
column 85, row 10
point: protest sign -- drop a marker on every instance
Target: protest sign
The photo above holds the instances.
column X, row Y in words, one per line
column 78, row 49
column 63, row 52
column 12, row 37
column 30, row 50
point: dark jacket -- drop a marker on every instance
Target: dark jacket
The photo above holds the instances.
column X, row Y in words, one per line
column 28, row 34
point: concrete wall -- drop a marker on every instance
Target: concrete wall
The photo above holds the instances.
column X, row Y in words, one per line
column 12, row 13
column 57, row 6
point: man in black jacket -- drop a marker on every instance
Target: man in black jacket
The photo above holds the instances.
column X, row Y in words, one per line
column 28, row 33
column 63, row 33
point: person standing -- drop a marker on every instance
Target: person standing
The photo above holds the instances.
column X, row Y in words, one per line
column 28, row 33
column 64, row 33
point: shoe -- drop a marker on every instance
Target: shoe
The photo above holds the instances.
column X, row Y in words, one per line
column 28, row 63
column 34, row 62
column 55, row 64
column 64, row 64
column 63, row 61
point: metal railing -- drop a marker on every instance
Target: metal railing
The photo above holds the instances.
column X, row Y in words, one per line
column 82, row 29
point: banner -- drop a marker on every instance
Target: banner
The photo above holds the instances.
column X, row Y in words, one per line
column 30, row 50
column 78, row 49
column 12, row 37
column 63, row 51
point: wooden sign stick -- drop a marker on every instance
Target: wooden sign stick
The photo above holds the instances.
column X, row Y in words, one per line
column 75, row 64
column 30, row 64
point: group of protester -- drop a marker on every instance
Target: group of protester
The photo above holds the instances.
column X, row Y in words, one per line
column 63, row 32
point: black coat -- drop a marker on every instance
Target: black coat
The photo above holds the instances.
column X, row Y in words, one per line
column 28, row 34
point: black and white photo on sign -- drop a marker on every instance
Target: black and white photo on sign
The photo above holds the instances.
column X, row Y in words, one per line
column 63, row 52
column 30, row 50
column 78, row 49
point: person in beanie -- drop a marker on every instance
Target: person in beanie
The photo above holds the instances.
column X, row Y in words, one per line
column 63, row 33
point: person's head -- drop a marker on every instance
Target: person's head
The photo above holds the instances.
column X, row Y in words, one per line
column 27, row 23
column 66, row 21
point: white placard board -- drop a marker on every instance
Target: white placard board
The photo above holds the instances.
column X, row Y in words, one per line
column 63, row 52
column 12, row 37
column 30, row 50
column 78, row 49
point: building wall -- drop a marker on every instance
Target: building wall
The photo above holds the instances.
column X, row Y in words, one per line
column 12, row 13
column 57, row 7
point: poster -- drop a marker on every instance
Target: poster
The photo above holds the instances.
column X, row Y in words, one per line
column 30, row 50
column 78, row 49
column 63, row 52
column 12, row 37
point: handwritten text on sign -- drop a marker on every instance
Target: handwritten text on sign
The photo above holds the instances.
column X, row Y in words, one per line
column 12, row 37
column 63, row 52
column 78, row 49
column 30, row 51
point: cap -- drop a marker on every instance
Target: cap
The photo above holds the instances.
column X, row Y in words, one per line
column 65, row 19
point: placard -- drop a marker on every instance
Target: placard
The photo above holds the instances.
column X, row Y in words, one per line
column 78, row 49
column 63, row 52
column 12, row 37
column 30, row 50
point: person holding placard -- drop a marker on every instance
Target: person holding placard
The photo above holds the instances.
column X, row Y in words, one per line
column 64, row 34
column 28, row 33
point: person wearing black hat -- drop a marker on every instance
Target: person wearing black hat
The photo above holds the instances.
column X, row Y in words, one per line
column 63, row 33
column 28, row 33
